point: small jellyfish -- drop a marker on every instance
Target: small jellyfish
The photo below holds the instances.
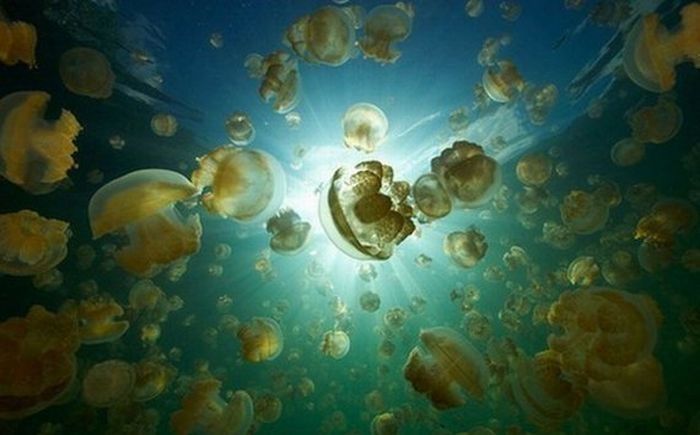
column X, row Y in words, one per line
column 108, row 383
column 489, row 51
column 465, row 248
column 290, row 234
column 395, row 318
column 293, row 120
column 477, row 326
column 222, row 251
column 385, row 424
column 583, row 271
column 583, row 213
column 261, row 339
column 151, row 378
column 431, row 197
column 267, row 408
column 459, row 119
column 326, row 36
column 335, row 344
column 620, row 268
column 423, row 261
column 164, row 124
column 627, row 152
column 370, row 301
column 117, row 142
column 474, row 8
column 510, row 10
column 87, row 72
column 49, row 280
column 240, row 128
column 386, row 25
column 216, row 40
column 659, row 123
column 364, row 127
column 17, row 43
column 502, row 81
column 35, row 154
column 534, row 169
column 651, row 52
column 98, row 322
column 280, row 80
column 539, row 101
column 516, row 257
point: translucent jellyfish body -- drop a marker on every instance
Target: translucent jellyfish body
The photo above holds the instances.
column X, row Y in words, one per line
column 431, row 197
column 658, row 123
column 335, row 344
column 290, row 234
column 142, row 204
column 583, row 271
column 326, row 36
column 98, row 320
column 87, row 72
column 620, row 268
column 470, row 177
column 474, row 8
column 151, row 379
column 502, row 81
column 385, row 424
column 108, row 383
column 268, row 408
column 627, row 152
column 261, row 339
column 534, row 169
column 539, row 101
column 364, row 211
column 451, row 364
column 31, row 244
column 465, row 248
column 17, row 43
column 35, row 154
column 364, row 127
column 370, row 301
column 164, row 124
column 667, row 218
column 241, row 184
column 583, row 212
column 652, row 52
column 280, row 80
column 510, row 10
column 240, row 128
column 386, row 25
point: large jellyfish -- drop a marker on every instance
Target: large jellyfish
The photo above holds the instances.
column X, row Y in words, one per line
column 108, row 383
column 35, row 154
column 17, row 43
column 652, row 52
column 534, row 169
column 365, row 212
column 667, row 218
column 502, row 81
column 240, row 128
column 289, row 233
column 465, row 248
column 142, row 204
column 31, row 244
column 243, row 184
column 431, row 197
column 335, row 344
column 280, row 79
column 326, row 36
column 386, row 25
column 658, row 123
column 86, row 71
column 364, row 127
column 261, row 339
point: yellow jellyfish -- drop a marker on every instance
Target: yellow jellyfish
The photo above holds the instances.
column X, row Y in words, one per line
column 583, row 213
column 657, row 124
column 654, row 257
column 652, row 52
column 240, row 128
column 290, row 234
column 87, row 72
column 31, row 244
column 667, row 218
column 539, row 101
column 534, row 169
column 261, row 339
column 164, row 124
column 465, row 248
column 145, row 295
column 204, row 411
column 335, row 344
column 385, row 424
column 370, row 301
column 280, row 80
column 35, row 154
column 108, row 383
column 502, row 81
column 142, row 203
column 583, row 271
column 474, row 8
column 326, row 36
column 510, row 10
column 364, row 127
column 151, row 378
column 386, row 25
column 470, row 176
column 268, row 408
column 365, row 212
column 431, row 197
column 98, row 320
column 627, row 152
column 17, row 43
column 243, row 184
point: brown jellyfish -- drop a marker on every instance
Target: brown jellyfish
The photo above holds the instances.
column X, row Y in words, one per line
column 243, row 184
column 326, row 36
column 87, row 72
column 539, row 101
column 108, row 383
column 583, row 271
column 465, row 248
column 657, row 124
column 364, row 127
column 534, row 169
column 477, row 326
column 620, row 268
column 386, row 25
column 151, row 378
column 385, row 424
column 627, row 152
column 268, row 408
column 31, row 244
column 164, row 124
column 370, row 301
column 335, row 344
column 142, row 203
column 583, row 213
column 98, row 322
column 395, row 317
column 431, row 197
column 17, row 43
column 289, row 233
column 240, row 128
column 261, row 339
column 280, row 79
column 35, row 154
column 502, row 81
column 668, row 218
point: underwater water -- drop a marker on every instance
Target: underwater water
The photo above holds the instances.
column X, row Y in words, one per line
column 316, row 217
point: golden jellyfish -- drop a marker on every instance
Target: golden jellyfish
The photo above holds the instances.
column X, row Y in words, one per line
column 620, row 269
column 583, row 271
column 557, row 235
column 145, row 295
column 474, row 8
column 539, row 101
column 37, row 361
column 241, row 184
column 87, row 72
column 653, row 257
column 335, row 344
column 326, row 36
column 627, row 152
column 386, row 25
column 652, row 52
column 395, row 317
column 268, row 408
column 477, row 326
column 261, row 339
column 534, row 169
column 280, row 80
column 502, row 81
column 204, row 411
column 385, row 424
column 370, row 301
column 108, row 383
column 583, row 213
column 290, row 234
column 31, row 244
column 510, row 10
column 17, row 43
column 451, row 365
column 35, row 154
column 240, row 128
column 365, row 212
column 364, row 127
column 431, row 197
column 97, row 317
column 667, row 218
column 142, row 204
column 657, row 124
column 465, row 248
column 151, row 378
column 470, row 177
column 164, row 124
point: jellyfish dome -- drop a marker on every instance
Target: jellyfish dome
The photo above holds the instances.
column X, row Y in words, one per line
column 474, row 8
column 335, row 344
column 98, row 320
column 261, row 339
column 502, row 81
column 364, row 127
column 268, row 408
column 534, row 169
column 240, row 128
column 151, row 378
column 87, row 72
column 465, row 248
column 17, row 43
column 290, row 234
column 431, row 197
column 108, row 383
column 385, row 424
column 327, row 36
column 667, row 218
column 280, row 80
column 658, row 123
column 164, row 124
column 386, row 25
column 583, row 213
column 627, row 152
column 370, row 301
column 583, row 271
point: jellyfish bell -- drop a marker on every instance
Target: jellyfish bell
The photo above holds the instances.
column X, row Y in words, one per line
column 108, row 383
column 240, row 128
column 658, row 123
column 583, row 271
column 280, row 80
column 583, row 213
column 627, row 152
column 465, row 248
column 267, row 408
column 502, row 81
column 151, row 378
column 335, row 344
column 385, row 25
column 326, row 36
column 364, row 127
column 17, row 43
column 164, row 124
column 290, row 234
column 534, row 169
column 474, row 8
column 87, row 72
column 667, row 218
column 431, row 197
column 261, row 339
column 385, row 424
column 539, row 101
column 98, row 320
column 370, row 301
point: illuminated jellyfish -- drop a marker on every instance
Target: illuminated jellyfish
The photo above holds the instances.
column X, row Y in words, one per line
column 474, row 8
column 470, row 177
column 539, row 101
column 38, row 363
column 667, row 218
column 35, row 154
column 465, row 248
column 268, row 408
column 385, row 424
column 17, row 43
column 386, row 25
column 261, row 339
column 280, row 81
column 489, row 51
column 108, row 383
column 502, row 82
column 145, row 295
column 293, row 120
column 150, row 333
column 289, row 233
column 164, row 124
column 335, row 344
column 652, row 52
column 87, row 72
column 240, row 128
column 477, row 326
column 370, row 301
column 534, row 169
column 142, row 204
column 451, row 365
column 657, row 124
column 364, row 127
column 627, row 152
column 516, row 257
column 365, row 212
column 243, row 184
column 431, row 197
column 583, row 213
column 98, row 320
column 583, row 271
column 204, row 411
column 31, row 244
column 510, row 10
column 326, row 36
column 620, row 268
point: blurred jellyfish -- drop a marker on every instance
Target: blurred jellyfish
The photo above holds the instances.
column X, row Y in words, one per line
column 117, row 142
column 293, row 120
column 268, row 408
column 690, row 259
column 385, row 424
column 243, row 184
column 395, row 317
column 370, row 301
column 261, row 339
column 386, row 25
column 151, row 378
column 326, row 36
column 465, row 248
column 510, row 10
column 516, row 257
column 164, row 124
column 459, row 119
column 150, row 333
column 477, row 326
column 108, row 383
column 49, row 280
column 216, row 40
column 240, row 128
column 583, row 213
column 367, row 272
column 573, row 4
column 280, row 81
column 627, row 152
column 335, row 344
column 489, row 51
column 539, row 101
column 474, row 8
column 534, row 169
column 35, row 154
column 502, row 81
column 620, row 268
column 431, row 197
column 18, row 43
column 364, row 127
column 423, row 261
column 652, row 52
column 667, row 219
column 289, row 233
column 659, row 123
column 583, row 271
column 654, row 258
column 222, row 251
column 98, row 321
column 86, row 71
column 306, row 387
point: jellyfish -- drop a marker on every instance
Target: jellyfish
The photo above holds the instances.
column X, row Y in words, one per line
column 108, row 383
column 477, row 326
column 583, row 213
column 31, row 244
column 557, row 235
column 620, row 268
column 204, row 411
column 502, row 81
column 385, row 424
column 489, row 51
column 280, row 80
column 510, row 10
column 364, row 127
column 243, row 184
column 474, row 8
column 653, row 257
column 290, row 234
column 35, row 154
column 539, row 101
column 87, row 72
column 37, row 361
column 534, row 169
column 326, row 36
column 261, row 339
column 145, row 295
column 395, row 317
column 216, row 40
column 370, row 301
column 142, row 203
column 386, row 25
column 335, row 344
column 583, row 271
column 17, row 43
column 431, row 197
column 268, row 408
column 652, row 52
column 657, row 124
column 164, row 124
column 98, row 322
column 465, row 248
column 365, row 212
column 667, row 218
column 470, row 177
column 627, row 152
column 151, row 378
column 240, row 128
